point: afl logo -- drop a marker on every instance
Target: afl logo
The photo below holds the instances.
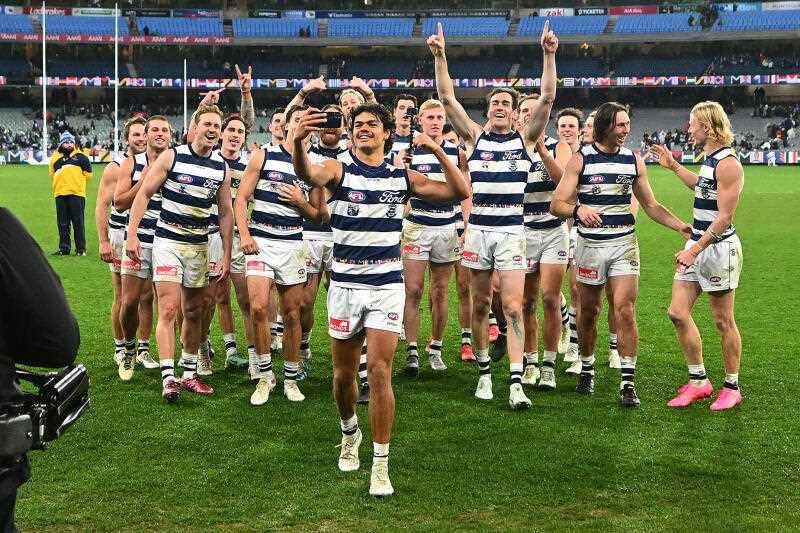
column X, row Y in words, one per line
column 356, row 196
column 183, row 178
column 275, row 176
column 487, row 156
column 424, row 168
column 393, row 316
column 596, row 179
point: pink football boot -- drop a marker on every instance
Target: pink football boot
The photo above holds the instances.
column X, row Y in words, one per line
column 727, row 399
column 691, row 393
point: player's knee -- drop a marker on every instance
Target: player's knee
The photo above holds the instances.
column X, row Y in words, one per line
column 724, row 322
column 589, row 310
column 291, row 314
column 625, row 314
column 258, row 310
column 677, row 315
column 343, row 377
column 481, row 307
column 529, row 306
column 551, row 300
column 413, row 291
column 378, row 372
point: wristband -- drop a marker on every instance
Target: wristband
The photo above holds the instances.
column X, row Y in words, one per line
column 714, row 235
column 575, row 212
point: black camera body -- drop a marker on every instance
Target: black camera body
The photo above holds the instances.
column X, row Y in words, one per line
column 30, row 420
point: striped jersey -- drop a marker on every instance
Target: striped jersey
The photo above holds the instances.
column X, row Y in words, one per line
column 367, row 219
column 236, row 169
column 538, row 195
column 428, row 213
column 273, row 218
column 311, row 230
column 605, row 184
column 705, row 194
column 117, row 220
column 498, row 167
column 399, row 143
column 550, row 143
column 187, row 195
column 147, row 226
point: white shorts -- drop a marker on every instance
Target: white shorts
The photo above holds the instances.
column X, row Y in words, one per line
column 427, row 243
column 117, row 239
column 282, row 261
column 573, row 238
column 718, row 267
column 179, row 262
column 484, row 250
column 141, row 269
column 352, row 310
column 238, row 260
column 320, row 256
column 546, row 246
column 214, row 252
column 595, row 264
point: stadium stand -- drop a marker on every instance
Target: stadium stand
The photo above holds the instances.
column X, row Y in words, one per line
column 182, row 27
column 758, row 21
column 264, row 27
column 68, row 25
column 467, row 26
column 377, row 68
column 653, row 66
column 84, row 68
column 370, row 27
column 666, row 23
column 14, row 68
column 575, row 67
column 586, row 25
column 479, row 68
column 16, row 24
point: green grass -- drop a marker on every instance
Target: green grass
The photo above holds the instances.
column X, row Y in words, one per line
column 134, row 463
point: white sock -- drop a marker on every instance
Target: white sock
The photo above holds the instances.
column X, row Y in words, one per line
column 380, row 453
column 349, row 426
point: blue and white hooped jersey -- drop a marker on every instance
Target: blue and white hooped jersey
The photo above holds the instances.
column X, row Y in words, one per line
column 399, row 143
column 550, row 143
column 440, row 215
column 236, row 170
column 187, row 195
column 117, row 220
column 147, row 226
column 317, row 154
column 605, row 184
column 538, row 195
column 705, row 195
column 273, row 218
column 498, row 167
column 367, row 220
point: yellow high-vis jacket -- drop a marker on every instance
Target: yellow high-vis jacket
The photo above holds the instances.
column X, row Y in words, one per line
column 70, row 173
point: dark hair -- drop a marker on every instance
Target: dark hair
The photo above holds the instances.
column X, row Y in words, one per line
column 276, row 111
column 294, row 109
column 381, row 113
column 136, row 119
column 404, row 97
column 525, row 97
column 332, row 107
column 604, row 119
column 571, row 112
column 514, row 95
column 447, row 128
column 234, row 116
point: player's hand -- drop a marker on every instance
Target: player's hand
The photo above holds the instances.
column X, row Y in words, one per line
column 402, row 159
column 662, row 155
column 549, row 40
column 106, row 252
column 589, row 217
column 211, row 97
column 314, row 86
column 436, row 42
column 360, row 85
column 311, row 120
column 291, row 194
column 245, row 80
column 422, row 140
column 133, row 248
column 223, row 269
column 686, row 231
column 248, row 245
column 684, row 259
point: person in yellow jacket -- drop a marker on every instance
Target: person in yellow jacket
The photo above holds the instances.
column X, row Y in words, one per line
column 70, row 171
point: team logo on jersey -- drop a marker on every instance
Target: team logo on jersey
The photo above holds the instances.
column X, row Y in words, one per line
column 392, row 211
column 625, row 189
column 183, row 178
column 340, row 324
column 562, row 253
column 424, row 168
column 596, row 189
column 485, row 165
column 392, row 197
column 517, row 258
column 588, row 273
column 352, row 210
column 624, row 179
column 487, row 156
column 597, row 178
column 512, row 166
column 512, row 154
column 393, row 316
column 275, row 176
column 356, row 196
column 704, row 193
column 715, row 279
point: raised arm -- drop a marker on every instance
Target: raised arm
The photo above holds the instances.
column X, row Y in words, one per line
column 654, row 210
column 246, row 108
column 665, row 159
column 464, row 126
column 540, row 115
column 123, row 192
column 454, row 188
column 361, row 86
column 326, row 174
column 554, row 170
column 730, row 179
column 313, row 86
column 105, row 195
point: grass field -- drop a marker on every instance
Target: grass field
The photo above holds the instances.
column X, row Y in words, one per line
column 134, row 463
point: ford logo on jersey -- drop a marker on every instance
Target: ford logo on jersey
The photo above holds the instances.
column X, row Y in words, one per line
column 183, row 178
column 487, row 156
column 356, row 196
column 392, row 197
column 596, row 179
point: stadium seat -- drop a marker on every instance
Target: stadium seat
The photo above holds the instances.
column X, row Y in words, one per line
column 69, row 25
column 265, row 27
column 84, row 68
column 673, row 22
column 370, row 27
column 467, row 26
column 586, row 25
column 16, row 24
column 181, row 27
column 758, row 20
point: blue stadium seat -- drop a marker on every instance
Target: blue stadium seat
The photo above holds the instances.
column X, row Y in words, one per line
column 672, row 22
column 181, row 27
column 16, row 24
column 265, row 27
column 758, row 20
column 586, row 25
column 467, row 26
column 370, row 27
column 69, row 25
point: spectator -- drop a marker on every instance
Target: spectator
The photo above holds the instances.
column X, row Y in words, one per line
column 70, row 170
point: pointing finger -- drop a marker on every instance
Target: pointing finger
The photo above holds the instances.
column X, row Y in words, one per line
column 546, row 28
column 238, row 72
column 439, row 30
